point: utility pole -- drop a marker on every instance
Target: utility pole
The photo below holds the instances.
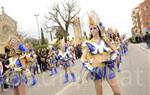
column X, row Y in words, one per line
column 36, row 15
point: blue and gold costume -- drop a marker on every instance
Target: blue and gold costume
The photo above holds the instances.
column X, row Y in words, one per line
column 104, row 70
column 18, row 72
column 65, row 61
column 52, row 61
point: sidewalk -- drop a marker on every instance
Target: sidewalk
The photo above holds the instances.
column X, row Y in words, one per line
column 144, row 45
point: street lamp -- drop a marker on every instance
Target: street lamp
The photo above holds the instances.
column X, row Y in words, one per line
column 36, row 15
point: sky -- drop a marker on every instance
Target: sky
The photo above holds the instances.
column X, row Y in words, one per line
column 113, row 13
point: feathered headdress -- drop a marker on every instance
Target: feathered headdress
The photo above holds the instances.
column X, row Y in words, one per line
column 91, row 20
column 94, row 18
column 16, row 44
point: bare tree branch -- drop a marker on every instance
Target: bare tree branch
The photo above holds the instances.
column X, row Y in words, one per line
column 62, row 15
column 74, row 15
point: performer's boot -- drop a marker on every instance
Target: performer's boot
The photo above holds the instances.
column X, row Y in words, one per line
column 51, row 71
column 73, row 77
column 33, row 81
column 122, row 52
column 66, row 78
column 55, row 70
column 118, row 67
column 125, row 52
column 121, row 60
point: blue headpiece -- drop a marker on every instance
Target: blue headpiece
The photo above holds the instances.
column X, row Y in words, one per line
column 22, row 47
column 100, row 24
column 66, row 47
column 31, row 50
column 53, row 49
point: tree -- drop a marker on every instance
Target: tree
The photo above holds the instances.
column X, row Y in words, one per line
column 59, row 33
column 63, row 16
column 32, row 41
column 57, row 45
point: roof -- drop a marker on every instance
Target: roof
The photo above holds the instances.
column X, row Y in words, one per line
column 8, row 17
column 4, row 14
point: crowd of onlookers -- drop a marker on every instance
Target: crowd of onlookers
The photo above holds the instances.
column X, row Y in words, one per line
column 43, row 55
column 140, row 39
column 41, row 63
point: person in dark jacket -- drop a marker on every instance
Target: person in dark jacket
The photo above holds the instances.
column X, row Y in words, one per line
column 147, row 39
column 39, row 60
column 4, row 59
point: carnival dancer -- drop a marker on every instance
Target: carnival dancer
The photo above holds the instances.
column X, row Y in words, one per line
column 31, row 59
column 15, row 74
column 1, row 75
column 52, row 61
column 125, row 45
column 34, row 65
column 4, row 60
column 71, row 49
column 65, row 59
column 60, row 57
column 97, row 59
column 18, row 73
column 115, row 40
column 119, row 58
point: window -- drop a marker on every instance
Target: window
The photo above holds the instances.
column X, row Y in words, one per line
column 145, row 8
column 6, row 28
column 147, row 23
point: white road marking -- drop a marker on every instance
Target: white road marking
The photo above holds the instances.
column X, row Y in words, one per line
column 69, row 85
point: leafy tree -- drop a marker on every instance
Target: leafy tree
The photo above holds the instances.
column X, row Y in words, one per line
column 33, row 41
column 59, row 33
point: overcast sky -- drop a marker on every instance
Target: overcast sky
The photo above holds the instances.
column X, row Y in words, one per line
column 113, row 13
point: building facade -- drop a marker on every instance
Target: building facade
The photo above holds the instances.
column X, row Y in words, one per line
column 141, row 18
column 8, row 29
column 136, row 21
column 77, row 30
column 144, row 12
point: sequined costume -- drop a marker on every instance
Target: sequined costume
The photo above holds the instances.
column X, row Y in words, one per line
column 18, row 72
column 104, row 70
column 65, row 61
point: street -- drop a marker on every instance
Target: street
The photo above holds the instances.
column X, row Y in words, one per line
column 38, row 41
column 134, row 78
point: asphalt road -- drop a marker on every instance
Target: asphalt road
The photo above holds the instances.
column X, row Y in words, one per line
column 134, row 78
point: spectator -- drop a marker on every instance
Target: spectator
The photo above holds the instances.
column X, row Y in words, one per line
column 147, row 39
column 137, row 39
column 39, row 60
